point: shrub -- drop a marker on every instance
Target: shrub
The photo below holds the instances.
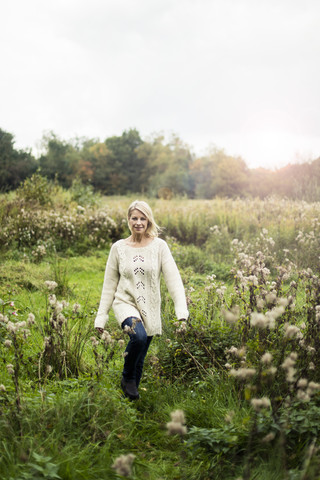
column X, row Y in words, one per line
column 36, row 190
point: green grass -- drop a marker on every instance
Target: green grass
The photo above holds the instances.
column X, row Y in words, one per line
column 76, row 427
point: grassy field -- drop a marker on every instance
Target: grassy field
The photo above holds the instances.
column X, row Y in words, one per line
column 240, row 382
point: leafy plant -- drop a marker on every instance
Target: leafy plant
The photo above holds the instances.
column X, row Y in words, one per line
column 40, row 468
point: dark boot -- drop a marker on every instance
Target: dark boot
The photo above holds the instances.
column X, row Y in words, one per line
column 130, row 389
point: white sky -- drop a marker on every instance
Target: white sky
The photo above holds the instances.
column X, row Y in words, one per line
column 242, row 75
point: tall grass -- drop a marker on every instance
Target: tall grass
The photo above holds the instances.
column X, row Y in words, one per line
column 244, row 371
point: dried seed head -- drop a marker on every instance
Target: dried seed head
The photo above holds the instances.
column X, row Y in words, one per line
column 123, row 464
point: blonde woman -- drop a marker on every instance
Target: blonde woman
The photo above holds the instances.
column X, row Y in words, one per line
column 132, row 289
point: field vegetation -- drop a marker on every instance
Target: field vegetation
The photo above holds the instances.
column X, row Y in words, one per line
column 233, row 393
column 156, row 166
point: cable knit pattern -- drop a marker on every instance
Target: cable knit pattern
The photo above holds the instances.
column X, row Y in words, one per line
column 132, row 284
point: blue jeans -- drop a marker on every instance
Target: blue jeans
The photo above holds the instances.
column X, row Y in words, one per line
column 136, row 351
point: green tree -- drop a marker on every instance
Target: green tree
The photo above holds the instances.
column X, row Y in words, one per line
column 261, row 182
column 97, row 160
column 61, row 160
column 15, row 165
column 219, row 174
column 123, row 164
column 167, row 166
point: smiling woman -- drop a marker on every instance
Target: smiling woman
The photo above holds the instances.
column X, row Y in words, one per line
column 132, row 289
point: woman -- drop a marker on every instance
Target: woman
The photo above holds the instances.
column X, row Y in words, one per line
column 132, row 288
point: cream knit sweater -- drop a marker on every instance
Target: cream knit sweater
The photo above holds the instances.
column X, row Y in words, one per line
column 132, row 284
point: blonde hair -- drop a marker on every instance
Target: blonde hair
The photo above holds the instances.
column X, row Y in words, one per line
column 153, row 229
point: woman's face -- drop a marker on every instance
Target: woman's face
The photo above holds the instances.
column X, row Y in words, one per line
column 138, row 222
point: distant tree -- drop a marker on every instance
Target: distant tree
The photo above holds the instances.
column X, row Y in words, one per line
column 103, row 177
column 15, row 165
column 61, row 160
column 219, row 174
column 299, row 181
column 124, row 166
column 261, row 182
column 167, row 166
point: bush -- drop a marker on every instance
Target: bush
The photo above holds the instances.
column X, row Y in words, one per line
column 36, row 190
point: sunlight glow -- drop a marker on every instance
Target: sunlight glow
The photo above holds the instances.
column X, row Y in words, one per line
column 270, row 139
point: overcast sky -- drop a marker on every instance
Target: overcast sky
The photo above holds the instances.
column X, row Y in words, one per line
column 242, row 75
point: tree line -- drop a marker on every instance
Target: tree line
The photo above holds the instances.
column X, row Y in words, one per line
column 126, row 164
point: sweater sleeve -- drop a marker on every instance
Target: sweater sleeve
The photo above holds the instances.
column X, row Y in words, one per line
column 111, row 280
column 174, row 282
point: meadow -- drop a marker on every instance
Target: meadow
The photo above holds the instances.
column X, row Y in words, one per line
column 233, row 393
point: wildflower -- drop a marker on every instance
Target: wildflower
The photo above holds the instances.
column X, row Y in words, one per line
column 231, row 316
column 228, row 418
column 243, row 373
column 288, row 365
column 58, row 307
column 260, row 303
column 275, row 313
column 128, row 329
column 178, row 416
column 268, row 438
column 177, row 425
column 271, row 371
column 50, row 285
column 12, row 327
column 233, row 350
column 30, row 319
column 182, row 327
column 123, row 464
column 290, row 361
column 266, row 358
column 302, row 383
column 2, row 388
column 121, row 343
column 3, row 318
column 312, row 366
column 21, row 325
column 260, row 320
column 283, row 302
column 94, row 341
column 291, row 331
column 49, row 369
column 52, row 299
column 271, row 297
column 153, row 360
column 10, row 369
column 253, row 279
column 303, row 396
column 76, row 307
column 106, row 337
column 237, row 352
column 260, row 403
column 61, row 319
column 291, row 375
column 313, row 387
column 7, row 343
